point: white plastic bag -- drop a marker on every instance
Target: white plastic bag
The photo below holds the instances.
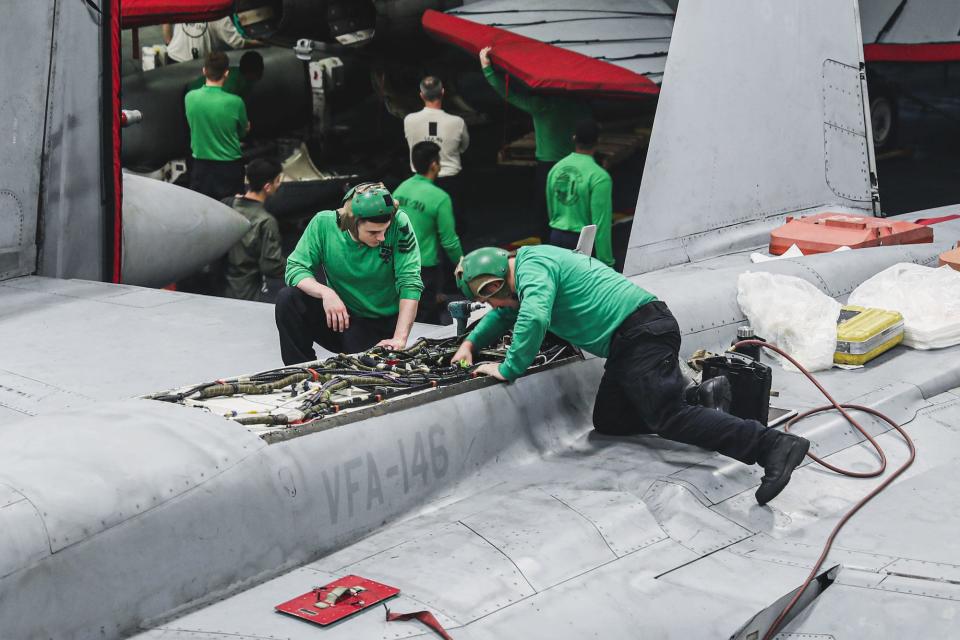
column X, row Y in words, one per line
column 792, row 314
column 927, row 297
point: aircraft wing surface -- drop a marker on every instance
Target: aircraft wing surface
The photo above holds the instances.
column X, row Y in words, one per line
column 612, row 47
column 565, row 534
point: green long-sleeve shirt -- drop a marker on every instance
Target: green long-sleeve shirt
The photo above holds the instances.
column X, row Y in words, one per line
column 258, row 253
column 576, row 297
column 370, row 281
column 580, row 192
column 431, row 214
column 217, row 121
column 554, row 117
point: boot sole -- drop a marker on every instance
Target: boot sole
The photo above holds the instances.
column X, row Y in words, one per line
column 796, row 455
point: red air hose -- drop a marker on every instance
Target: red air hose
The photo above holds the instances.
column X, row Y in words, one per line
column 774, row 628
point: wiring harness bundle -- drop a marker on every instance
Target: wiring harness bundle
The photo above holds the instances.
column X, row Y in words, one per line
column 300, row 394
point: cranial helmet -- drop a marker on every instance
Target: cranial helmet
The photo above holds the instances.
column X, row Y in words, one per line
column 369, row 200
column 481, row 267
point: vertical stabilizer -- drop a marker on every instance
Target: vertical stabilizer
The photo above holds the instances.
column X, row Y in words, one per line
column 761, row 115
column 51, row 152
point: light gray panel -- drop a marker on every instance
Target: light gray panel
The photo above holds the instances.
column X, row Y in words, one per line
column 616, row 30
column 874, row 14
column 452, row 570
column 72, row 202
column 186, row 448
column 689, row 522
column 926, row 21
column 22, row 534
column 251, row 615
column 544, row 558
column 738, row 135
column 25, row 395
column 624, row 521
column 21, row 144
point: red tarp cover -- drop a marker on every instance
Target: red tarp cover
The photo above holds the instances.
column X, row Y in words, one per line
column 141, row 13
column 925, row 52
column 537, row 64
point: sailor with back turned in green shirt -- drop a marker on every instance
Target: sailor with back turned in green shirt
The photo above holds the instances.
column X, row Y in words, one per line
column 368, row 252
column 642, row 390
column 554, row 120
column 431, row 213
column 217, row 121
column 240, row 79
column 579, row 193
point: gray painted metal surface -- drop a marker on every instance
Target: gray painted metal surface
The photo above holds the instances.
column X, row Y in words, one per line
column 631, row 34
column 496, row 509
column 887, row 22
column 170, row 232
column 73, row 223
column 23, row 114
column 719, row 157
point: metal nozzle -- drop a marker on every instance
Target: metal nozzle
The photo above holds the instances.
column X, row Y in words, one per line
column 744, row 331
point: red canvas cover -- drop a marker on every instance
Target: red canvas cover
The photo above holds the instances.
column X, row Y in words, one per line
column 140, row 13
column 537, row 64
column 923, row 52
column 824, row 232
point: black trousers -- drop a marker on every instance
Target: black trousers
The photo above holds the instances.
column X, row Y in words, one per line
column 301, row 321
column 217, row 179
column 428, row 311
column 565, row 239
column 642, row 392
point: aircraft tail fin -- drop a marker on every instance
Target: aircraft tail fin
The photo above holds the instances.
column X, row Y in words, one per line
column 762, row 114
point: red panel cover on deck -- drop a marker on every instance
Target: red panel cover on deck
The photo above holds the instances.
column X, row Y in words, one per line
column 140, row 13
column 537, row 64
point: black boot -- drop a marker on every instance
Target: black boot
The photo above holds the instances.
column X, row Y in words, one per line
column 779, row 458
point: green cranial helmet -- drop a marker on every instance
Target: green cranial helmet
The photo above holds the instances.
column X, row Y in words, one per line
column 370, row 200
column 481, row 267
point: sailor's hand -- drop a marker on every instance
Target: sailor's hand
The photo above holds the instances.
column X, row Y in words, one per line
column 491, row 369
column 485, row 57
column 337, row 317
column 464, row 355
column 393, row 344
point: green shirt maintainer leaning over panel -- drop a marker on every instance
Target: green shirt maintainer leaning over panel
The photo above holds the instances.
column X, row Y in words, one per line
column 577, row 298
column 371, row 282
column 431, row 213
column 218, row 120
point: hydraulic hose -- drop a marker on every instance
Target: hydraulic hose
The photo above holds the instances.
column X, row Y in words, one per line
column 842, row 408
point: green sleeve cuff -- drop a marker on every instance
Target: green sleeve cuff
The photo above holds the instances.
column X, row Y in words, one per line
column 295, row 278
column 410, row 293
column 509, row 375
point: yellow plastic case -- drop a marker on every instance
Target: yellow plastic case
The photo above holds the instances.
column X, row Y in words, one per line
column 863, row 334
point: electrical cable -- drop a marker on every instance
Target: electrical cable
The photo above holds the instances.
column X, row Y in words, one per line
column 842, row 408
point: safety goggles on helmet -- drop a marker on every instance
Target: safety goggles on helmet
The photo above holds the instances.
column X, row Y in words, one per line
column 482, row 273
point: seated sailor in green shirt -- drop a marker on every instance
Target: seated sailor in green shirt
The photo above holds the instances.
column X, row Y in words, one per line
column 554, row 119
column 369, row 254
column 431, row 213
column 579, row 193
column 642, row 390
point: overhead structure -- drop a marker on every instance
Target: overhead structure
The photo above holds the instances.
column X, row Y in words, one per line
column 911, row 30
column 142, row 13
column 612, row 48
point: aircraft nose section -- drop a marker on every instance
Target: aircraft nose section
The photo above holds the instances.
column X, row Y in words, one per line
column 170, row 232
